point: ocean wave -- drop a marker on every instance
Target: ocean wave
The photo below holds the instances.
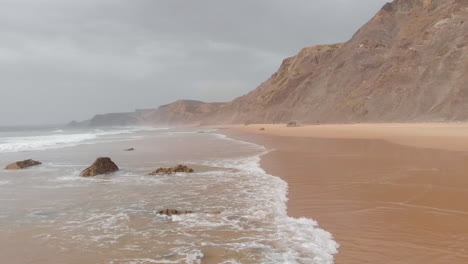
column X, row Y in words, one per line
column 301, row 240
column 241, row 215
column 17, row 144
column 58, row 139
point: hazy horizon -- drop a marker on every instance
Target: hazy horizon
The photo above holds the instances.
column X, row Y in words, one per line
column 68, row 60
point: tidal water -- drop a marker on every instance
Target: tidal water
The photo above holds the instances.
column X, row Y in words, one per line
column 51, row 215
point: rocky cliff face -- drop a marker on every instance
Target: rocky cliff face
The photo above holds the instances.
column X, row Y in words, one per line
column 183, row 112
column 409, row 63
column 113, row 119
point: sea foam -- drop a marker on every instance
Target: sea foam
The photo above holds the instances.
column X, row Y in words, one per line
column 59, row 139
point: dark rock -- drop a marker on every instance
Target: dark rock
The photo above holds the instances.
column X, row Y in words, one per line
column 22, row 164
column 129, row 149
column 178, row 168
column 292, row 124
column 102, row 165
column 174, row 212
column 181, row 212
column 262, row 129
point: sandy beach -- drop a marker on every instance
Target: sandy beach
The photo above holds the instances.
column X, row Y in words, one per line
column 389, row 193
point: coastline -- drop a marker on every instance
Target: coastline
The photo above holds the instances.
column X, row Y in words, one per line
column 239, row 210
column 390, row 192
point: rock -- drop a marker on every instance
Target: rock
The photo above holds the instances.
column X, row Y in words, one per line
column 178, row 168
column 22, row 164
column 102, row 165
column 174, row 212
column 129, row 149
column 292, row 124
column 262, row 129
column 170, row 212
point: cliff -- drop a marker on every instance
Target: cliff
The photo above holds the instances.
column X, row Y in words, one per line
column 409, row 63
column 183, row 112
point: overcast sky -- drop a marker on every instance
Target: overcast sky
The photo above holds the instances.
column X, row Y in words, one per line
column 63, row 60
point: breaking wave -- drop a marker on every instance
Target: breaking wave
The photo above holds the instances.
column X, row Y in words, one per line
column 60, row 139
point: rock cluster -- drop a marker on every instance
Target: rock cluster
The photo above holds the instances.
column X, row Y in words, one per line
column 22, row 164
column 174, row 212
column 178, row 168
column 102, row 165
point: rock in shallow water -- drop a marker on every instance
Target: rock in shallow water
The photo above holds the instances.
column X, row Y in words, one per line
column 170, row 212
column 22, row 164
column 102, row 165
column 174, row 212
column 178, row 168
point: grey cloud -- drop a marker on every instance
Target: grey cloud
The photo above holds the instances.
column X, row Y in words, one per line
column 66, row 59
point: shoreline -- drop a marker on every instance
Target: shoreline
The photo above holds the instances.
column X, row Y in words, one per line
column 447, row 136
column 384, row 191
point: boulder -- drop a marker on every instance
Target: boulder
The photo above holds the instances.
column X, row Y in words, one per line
column 178, row 168
column 174, row 212
column 22, row 164
column 292, row 124
column 262, row 129
column 129, row 149
column 102, row 165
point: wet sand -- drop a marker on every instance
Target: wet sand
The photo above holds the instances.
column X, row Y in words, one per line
column 389, row 193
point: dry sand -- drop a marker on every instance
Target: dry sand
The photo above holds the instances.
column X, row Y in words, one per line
column 389, row 193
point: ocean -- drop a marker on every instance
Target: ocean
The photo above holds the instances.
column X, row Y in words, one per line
column 49, row 214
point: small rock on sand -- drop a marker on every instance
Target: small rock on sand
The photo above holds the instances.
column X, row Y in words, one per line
column 292, row 124
column 129, row 149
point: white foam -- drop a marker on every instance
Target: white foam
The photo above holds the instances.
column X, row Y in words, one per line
column 4, row 182
column 194, row 257
column 253, row 218
column 59, row 140
column 301, row 239
column 16, row 144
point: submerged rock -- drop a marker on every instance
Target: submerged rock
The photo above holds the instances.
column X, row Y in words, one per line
column 22, row 164
column 181, row 212
column 102, row 165
column 178, row 168
column 174, row 212
column 129, row 149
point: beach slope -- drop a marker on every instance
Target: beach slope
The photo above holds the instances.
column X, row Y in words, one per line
column 388, row 192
